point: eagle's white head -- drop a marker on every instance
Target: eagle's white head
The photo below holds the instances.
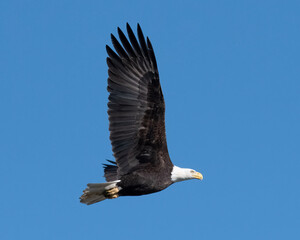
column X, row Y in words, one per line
column 180, row 174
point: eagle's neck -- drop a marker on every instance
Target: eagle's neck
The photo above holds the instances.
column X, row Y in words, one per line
column 180, row 174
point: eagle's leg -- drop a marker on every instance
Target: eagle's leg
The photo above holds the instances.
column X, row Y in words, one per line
column 112, row 193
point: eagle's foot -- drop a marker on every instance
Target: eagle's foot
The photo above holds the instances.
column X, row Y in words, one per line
column 112, row 193
column 113, row 196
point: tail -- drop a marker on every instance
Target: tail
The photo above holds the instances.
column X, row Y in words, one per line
column 97, row 192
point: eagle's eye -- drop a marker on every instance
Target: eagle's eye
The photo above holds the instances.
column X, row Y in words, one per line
column 192, row 171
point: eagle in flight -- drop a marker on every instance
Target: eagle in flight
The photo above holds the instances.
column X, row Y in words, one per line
column 136, row 111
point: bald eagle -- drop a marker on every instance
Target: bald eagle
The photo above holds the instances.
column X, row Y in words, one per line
column 136, row 111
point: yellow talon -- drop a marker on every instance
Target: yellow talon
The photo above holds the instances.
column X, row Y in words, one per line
column 112, row 193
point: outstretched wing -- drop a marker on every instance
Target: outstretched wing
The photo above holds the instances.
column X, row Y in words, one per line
column 136, row 104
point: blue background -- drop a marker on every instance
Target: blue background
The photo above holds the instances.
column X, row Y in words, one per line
column 231, row 80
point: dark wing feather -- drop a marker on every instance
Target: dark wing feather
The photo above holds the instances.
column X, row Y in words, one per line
column 136, row 104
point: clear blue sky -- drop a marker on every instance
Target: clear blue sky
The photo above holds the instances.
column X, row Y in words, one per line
column 231, row 79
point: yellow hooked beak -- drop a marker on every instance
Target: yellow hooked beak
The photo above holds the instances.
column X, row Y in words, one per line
column 198, row 175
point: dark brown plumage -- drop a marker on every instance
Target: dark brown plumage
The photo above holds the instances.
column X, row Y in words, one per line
column 136, row 111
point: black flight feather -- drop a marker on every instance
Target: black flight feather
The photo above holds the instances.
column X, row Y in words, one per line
column 133, row 41
column 142, row 43
column 126, row 44
column 119, row 48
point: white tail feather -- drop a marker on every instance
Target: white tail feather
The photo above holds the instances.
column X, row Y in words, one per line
column 95, row 192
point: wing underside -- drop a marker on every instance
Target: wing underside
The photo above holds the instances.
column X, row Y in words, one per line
column 136, row 106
